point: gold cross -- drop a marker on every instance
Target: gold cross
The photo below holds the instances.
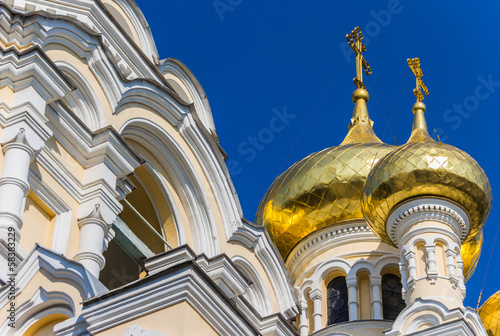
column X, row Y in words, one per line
column 355, row 40
column 415, row 67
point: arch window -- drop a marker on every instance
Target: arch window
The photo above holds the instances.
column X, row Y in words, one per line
column 337, row 301
column 144, row 228
column 392, row 298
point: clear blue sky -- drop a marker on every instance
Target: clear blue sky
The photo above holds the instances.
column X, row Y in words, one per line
column 257, row 59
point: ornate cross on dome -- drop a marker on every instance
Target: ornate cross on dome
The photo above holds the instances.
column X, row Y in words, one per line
column 355, row 40
column 415, row 67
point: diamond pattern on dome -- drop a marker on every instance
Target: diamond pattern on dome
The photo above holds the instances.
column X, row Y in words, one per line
column 324, row 188
column 426, row 169
column 490, row 314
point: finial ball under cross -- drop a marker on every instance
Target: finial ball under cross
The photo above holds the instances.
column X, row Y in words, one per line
column 355, row 41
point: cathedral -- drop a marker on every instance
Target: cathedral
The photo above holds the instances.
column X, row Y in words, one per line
column 118, row 216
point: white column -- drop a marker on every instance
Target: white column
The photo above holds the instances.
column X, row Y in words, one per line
column 352, row 287
column 316, row 296
column 376, row 282
column 303, row 323
column 412, row 269
column 93, row 229
column 402, row 270
column 461, row 278
column 14, row 186
column 450, row 264
column 432, row 272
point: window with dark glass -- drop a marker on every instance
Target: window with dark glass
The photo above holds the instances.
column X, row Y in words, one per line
column 338, row 310
column 392, row 299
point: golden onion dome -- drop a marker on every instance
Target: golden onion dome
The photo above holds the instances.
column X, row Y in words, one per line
column 324, row 188
column 470, row 253
column 490, row 314
column 424, row 167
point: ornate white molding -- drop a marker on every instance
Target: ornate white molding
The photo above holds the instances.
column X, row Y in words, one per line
column 436, row 320
column 327, row 238
column 184, row 283
column 427, row 209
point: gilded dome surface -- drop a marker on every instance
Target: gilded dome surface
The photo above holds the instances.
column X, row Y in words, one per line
column 324, row 188
column 490, row 314
column 423, row 167
column 470, row 253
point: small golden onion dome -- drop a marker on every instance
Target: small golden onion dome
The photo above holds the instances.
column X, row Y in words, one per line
column 490, row 314
column 470, row 253
column 424, row 167
column 324, row 188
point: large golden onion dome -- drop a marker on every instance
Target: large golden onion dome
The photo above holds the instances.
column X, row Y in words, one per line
column 325, row 187
column 490, row 314
column 424, row 167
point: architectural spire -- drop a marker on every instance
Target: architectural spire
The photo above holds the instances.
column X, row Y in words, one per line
column 361, row 126
column 419, row 132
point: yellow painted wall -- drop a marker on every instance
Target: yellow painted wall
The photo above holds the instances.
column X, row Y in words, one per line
column 179, row 320
column 440, row 260
column 74, row 233
column 38, row 224
column 364, row 296
column 421, row 260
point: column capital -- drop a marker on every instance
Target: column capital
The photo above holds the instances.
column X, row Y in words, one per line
column 430, row 248
column 19, row 141
column 95, row 217
column 25, row 130
column 375, row 280
column 352, row 282
column 316, row 294
column 410, row 254
column 451, row 253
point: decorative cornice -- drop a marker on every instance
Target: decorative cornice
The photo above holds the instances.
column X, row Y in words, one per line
column 427, row 209
column 330, row 233
column 352, row 282
column 185, row 282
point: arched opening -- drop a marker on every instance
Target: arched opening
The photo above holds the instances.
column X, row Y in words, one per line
column 421, row 260
column 364, row 296
column 179, row 88
column 255, row 292
column 144, row 228
column 392, row 299
column 122, row 21
column 45, row 325
column 337, row 301
column 440, row 258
